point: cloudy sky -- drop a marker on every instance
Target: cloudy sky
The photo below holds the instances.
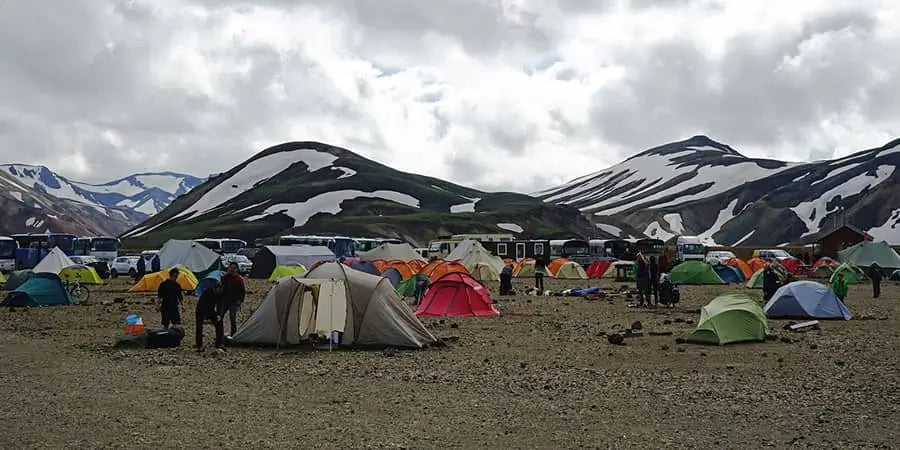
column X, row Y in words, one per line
column 499, row 94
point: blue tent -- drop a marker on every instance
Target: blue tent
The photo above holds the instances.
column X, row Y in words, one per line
column 895, row 276
column 393, row 275
column 208, row 282
column 42, row 289
column 729, row 274
column 806, row 300
column 365, row 266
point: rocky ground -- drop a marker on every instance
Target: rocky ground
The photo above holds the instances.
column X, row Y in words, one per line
column 541, row 376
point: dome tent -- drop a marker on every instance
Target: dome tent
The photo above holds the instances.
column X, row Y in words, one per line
column 54, row 262
column 439, row 268
column 42, row 289
column 728, row 319
column 484, row 272
column 456, row 295
column 729, row 274
column 150, row 282
column 272, row 256
column 866, row 253
column 470, row 252
column 694, row 272
column 387, row 251
column 571, row 270
column 745, row 269
column 188, row 254
column 84, row 274
column 852, row 274
column 286, row 271
column 806, row 300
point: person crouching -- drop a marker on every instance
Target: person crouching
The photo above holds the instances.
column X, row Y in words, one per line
column 209, row 308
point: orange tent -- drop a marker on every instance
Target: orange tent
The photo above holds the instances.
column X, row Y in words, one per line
column 756, row 264
column 402, row 266
column 554, row 265
column 379, row 264
column 439, row 268
column 417, row 265
column 508, row 261
column 742, row 266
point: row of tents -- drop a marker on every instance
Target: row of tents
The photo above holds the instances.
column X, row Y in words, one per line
column 44, row 285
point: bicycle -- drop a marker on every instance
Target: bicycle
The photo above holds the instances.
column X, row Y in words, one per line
column 79, row 292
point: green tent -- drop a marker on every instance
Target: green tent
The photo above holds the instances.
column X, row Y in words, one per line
column 865, row 253
column 42, row 289
column 17, row 278
column 286, row 271
column 851, row 274
column 756, row 281
column 730, row 318
column 407, row 288
column 695, row 272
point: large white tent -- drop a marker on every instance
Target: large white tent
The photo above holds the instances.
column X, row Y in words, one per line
column 470, row 253
column 190, row 254
column 388, row 251
column 55, row 261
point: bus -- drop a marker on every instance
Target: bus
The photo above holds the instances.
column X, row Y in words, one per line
column 444, row 245
column 366, row 244
column 650, row 247
column 34, row 247
column 104, row 248
column 619, row 249
column 8, row 248
column 573, row 249
column 224, row 246
column 341, row 246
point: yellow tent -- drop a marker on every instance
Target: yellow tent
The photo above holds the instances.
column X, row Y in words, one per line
column 571, row 270
column 151, row 281
column 84, row 274
column 2, row 278
column 286, row 271
column 484, row 272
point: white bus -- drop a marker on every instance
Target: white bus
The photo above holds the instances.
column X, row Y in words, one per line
column 104, row 248
column 689, row 248
column 8, row 248
column 224, row 246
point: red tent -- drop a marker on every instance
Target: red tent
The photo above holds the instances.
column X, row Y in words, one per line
column 824, row 261
column 794, row 266
column 598, row 268
column 456, row 294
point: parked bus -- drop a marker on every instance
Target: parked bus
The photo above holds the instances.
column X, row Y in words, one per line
column 444, row 245
column 650, row 247
column 689, row 248
column 341, row 246
column 34, row 247
column 224, row 246
column 573, row 249
column 366, row 244
column 619, row 249
column 103, row 248
column 8, row 248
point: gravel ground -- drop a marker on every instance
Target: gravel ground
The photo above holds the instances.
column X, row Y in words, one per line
column 540, row 376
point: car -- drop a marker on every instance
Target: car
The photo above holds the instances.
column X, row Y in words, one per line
column 102, row 267
column 772, row 254
column 718, row 257
column 124, row 265
column 244, row 263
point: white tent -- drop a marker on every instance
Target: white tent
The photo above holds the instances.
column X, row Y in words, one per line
column 333, row 297
column 190, row 254
column 571, row 270
column 470, row 252
column 55, row 261
column 387, row 251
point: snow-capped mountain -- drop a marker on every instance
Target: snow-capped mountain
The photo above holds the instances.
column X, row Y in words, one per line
column 702, row 187
column 145, row 194
column 313, row 187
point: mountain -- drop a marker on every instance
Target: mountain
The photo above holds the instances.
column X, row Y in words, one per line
column 145, row 194
column 310, row 187
column 701, row 187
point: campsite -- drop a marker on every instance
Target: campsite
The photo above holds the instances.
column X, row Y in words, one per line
column 540, row 375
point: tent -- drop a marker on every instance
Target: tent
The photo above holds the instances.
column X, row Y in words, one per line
column 2, row 278
column 794, row 266
column 400, row 266
column 55, row 261
column 84, row 274
column 437, row 269
column 867, row 252
column 386, row 251
column 598, row 268
column 627, row 266
column 271, row 256
column 851, row 274
column 756, row 281
column 363, row 308
column 895, row 276
column 150, row 282
column 571, row 270
column 456, row 294
column 694, row 272
column 407, row 288
column 17, row 278
column 526, row 269
column 394, row 276
column 470, row 252
column 730, row 318
column 823, row 271
column 189, row 254
column 365, row 266
column 745, row 269
column 555, row 264
column 756, row 264
column 806, row 300
column 484, row 272
column 208, row 282
column 42, row 289
column 825, row 261
column 729, row 274
column 286, row 271
column 379, row 264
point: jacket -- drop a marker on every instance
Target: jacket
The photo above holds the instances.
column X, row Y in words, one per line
column 233, row 289
column 839, row 287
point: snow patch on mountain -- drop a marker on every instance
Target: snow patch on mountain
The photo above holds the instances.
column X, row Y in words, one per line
column 676, row 225
column 254, row 173
column 812, row 212
column 725, row 215
column 611, row 229
column 464, row 207
column 16, row 195
column 347, row 172
column 836, row 172
column 890, row 230
column 656, row 231
column 510, row 227
column 741, row 240
column 330, row 203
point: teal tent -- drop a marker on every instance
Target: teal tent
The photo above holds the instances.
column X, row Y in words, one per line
column 16, row 279
column 42, row 289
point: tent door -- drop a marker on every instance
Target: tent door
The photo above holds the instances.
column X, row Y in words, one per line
column 520, row 251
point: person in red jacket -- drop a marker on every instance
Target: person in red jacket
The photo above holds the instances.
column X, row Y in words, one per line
column 233, row 293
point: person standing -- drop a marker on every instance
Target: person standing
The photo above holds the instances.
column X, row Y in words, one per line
column 654, row 279
column 422, row 283
column 506, row 280
column 664, row 262
column 539, row 269
column 209, row 307
column 642, row 276
column 140, row 270
column 770, row 282
column 170, row 300
column 839, row 286
column 876, row 275
column 233, row 293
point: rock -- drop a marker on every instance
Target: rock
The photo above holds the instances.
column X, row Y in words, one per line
column 729, row 367
column 703, row 354
column 664, row 347
column 119, row 300
column 523, row 365
column 680, row 350
column 637, row 325
column 840, row 363
column 454, row 325
column 12, row 309
column 679, row 320
column 389, row 352
column 667, row 322
column 786, row 340
column 779, row 360
column 813, row 346
column 616, row 339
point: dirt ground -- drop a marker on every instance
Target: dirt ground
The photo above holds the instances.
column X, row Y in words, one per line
column 540, row 376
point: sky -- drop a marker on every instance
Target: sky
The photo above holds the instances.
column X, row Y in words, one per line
column 494, row 94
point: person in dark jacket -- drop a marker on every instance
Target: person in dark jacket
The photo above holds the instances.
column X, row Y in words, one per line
column 170, row 300
column 506, row 280
column 875, row 275
column 141, row 269
column 770, row 282
column 233, row 293
column 539, row 268
column 654, row 279
column 664, row 262
column 643, row 280
column 209, row 307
